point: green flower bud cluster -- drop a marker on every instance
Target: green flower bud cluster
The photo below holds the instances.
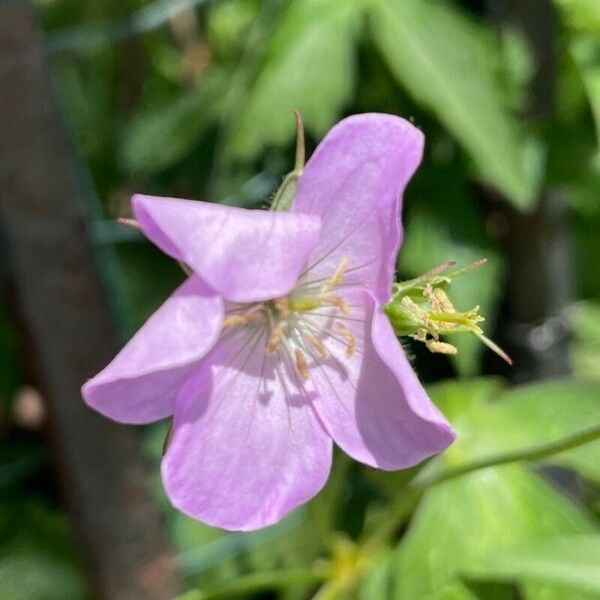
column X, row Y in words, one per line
column 421, row 309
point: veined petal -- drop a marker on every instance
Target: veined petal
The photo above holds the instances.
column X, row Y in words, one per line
column 247, row 446
column 245, row 255
column 141, row 383
column 372, row 403
column 354, row 181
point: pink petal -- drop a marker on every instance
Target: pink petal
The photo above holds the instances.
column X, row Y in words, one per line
column 372, row 404
column 354, row 181
column 245, row 255
column 247, row 447
column 141, row 383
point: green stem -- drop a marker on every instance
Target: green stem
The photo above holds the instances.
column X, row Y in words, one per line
column 265, row 581
column 284, row 197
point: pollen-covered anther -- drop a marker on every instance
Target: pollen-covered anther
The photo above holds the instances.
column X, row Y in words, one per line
column 349, row 337
column 243, row 318
column 439, row 300
column 276, row 337
column 337, row 277
column 301, row 363
column 438, row 347
column 336, row 301
column 318, row 345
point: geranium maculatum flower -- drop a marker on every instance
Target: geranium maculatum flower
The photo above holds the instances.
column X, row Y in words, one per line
column 277, row 344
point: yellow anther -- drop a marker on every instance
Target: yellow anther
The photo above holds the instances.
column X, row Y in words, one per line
column 317, row 344
column 301, row 363
column 274, row 342
column 337, row 277
column 349, row 337
column 440, row 347
column 414, row 310
column 439, row 300
column 338, row 302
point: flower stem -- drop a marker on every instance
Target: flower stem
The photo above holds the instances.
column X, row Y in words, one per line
column 284, row 197
column 262, row 581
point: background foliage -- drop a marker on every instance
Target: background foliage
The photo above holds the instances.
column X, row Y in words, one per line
column 194, row 99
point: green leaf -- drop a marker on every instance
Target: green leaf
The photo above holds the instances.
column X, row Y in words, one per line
column 585, row 321
column 160, row 137
column 586, row 52
column 450, row 65
column 531, row 415
column 581, row 15
column 309, row 65
column 572, row 561
column 462, row 520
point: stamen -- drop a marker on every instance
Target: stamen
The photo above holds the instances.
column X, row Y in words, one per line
column 282, row 305
column 439, row 300
column 276, row 337
column 440, row 347
column 338, row 302
column 350, row 338
column 317, row 344
column 301, row 363
column 243, row 318
column 337, row 277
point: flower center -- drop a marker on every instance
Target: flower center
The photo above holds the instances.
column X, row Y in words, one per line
column 296, row 326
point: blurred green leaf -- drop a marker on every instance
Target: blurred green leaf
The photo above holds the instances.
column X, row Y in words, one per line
column 450, row 65
column 586, row 51
column 309, row 65
column 27, row 574
column 37, row 560
column 585, row 349
column 159, row 138
column 527, row 416
column 582, row 15
column 460, row 521
column 569, row 560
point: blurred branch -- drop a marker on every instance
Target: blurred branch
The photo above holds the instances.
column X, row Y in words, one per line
column 539, row 286
column 68, row 327
column 145, row 19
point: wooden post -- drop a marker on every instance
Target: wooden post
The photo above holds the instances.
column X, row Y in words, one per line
column 69, row 329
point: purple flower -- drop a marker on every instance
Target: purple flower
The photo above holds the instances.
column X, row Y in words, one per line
column 277, row 344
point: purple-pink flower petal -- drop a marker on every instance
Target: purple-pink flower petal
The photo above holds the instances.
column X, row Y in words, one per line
column 247, row 446
column 354, row 182
column 245, row 255
column 372, row 403
column 141, row 384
